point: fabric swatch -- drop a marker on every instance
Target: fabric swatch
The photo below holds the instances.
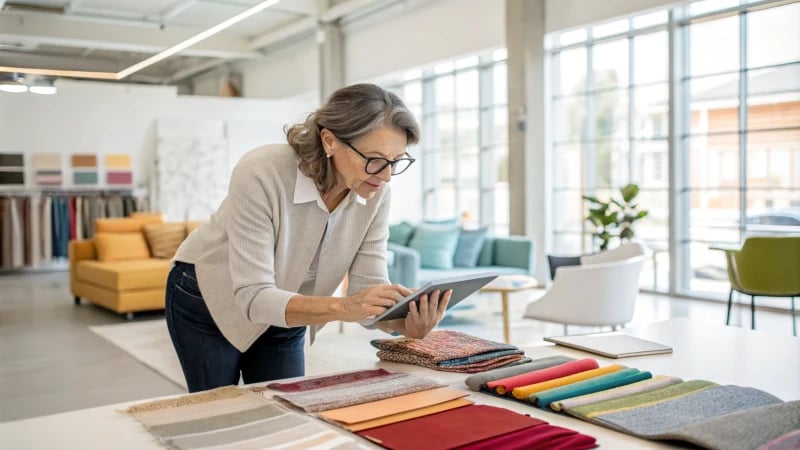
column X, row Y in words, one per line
column 84, row 177
column 450, row 429
column 84, row 160
column 46, row 161
column 407, row 415
column 358, row 392
column 393, row 405
column 656, row 382
column 478, row 381
column 12, row 177
column 597, row 384
column 762, row 426
column 789, row 441
column 245, row 401
column 12, row 160
column 218, row 421
column 119, row 177
column 327, row 381
column 539, row 437
column 118, row 161
column 239, row 433
column 525, row 392
column 652, row 421
column 48, row 177
column 587, row 412
column 449, row 351
column 504, row 385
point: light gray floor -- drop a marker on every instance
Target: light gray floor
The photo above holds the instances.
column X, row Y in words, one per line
column 50, row 362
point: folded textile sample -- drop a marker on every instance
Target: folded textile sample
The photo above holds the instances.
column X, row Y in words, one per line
column 230, row 418
column 307, row 384
column 788, row 441
column 478, row 381
column 449, row 351
column 473, row 427
column 358, row 392
column 504, row 385
column 597, row 384
column 528, row 391
column 657, row 382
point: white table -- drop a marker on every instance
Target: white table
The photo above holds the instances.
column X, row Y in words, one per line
column 725, row 355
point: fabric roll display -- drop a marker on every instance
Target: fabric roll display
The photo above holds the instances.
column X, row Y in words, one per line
column 504, row 385
column 449, row 351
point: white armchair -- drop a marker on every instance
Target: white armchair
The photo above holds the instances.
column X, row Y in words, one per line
column 600, row 292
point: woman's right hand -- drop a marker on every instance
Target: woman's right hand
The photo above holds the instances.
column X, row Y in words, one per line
column 372, row 301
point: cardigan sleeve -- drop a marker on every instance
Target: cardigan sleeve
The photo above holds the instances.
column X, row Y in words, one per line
column 369, row 267
column 253, row 199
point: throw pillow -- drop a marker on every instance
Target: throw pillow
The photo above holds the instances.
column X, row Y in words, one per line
column 400, row 233
column 452, row 221
column 436, row 245
column 120, row 246
column 470, row 244
column 561, row 261
column 164, row 238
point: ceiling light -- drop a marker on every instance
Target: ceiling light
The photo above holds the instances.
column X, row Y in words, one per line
column 124, row 73
column 44, row 90
column 13, row 87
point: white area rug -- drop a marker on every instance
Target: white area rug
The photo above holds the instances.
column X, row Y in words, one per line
column 149, row 343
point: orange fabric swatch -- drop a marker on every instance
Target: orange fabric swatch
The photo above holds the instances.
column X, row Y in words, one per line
column 84, row 160
column 523, row 392
column 413, row 414
column 394, row 405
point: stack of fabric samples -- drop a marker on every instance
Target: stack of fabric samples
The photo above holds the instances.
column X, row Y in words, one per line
column 234, row 418
column 432, row 417
column 651, row 407
column 450, row 351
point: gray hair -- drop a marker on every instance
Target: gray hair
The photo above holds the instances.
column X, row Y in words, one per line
column 350, row 113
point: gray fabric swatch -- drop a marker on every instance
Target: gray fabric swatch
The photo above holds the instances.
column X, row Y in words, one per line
column 742, row 430
column 364, row 391
column 475, row 382
column 231, row 435
column 217, row 422
column 650, row 422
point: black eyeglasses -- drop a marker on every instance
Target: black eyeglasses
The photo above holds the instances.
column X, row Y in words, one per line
column 378, row 165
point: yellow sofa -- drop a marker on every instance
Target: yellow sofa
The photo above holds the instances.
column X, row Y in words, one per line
column 119, row 269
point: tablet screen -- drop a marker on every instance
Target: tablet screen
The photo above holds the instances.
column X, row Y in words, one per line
column 462, row 287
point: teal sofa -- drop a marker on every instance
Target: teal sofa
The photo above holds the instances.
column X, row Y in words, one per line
column 504, row 255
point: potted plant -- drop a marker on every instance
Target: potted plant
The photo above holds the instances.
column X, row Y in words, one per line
column 614, row 218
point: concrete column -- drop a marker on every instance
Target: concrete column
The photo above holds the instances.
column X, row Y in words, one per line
column 330, row 40
column 529, row 174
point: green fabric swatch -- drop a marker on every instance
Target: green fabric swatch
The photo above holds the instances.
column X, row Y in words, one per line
column 84, row 177
column 632, row 401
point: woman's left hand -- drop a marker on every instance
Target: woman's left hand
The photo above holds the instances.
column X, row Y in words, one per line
column 426, row 313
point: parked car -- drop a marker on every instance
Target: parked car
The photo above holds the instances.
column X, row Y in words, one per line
column 773, row 222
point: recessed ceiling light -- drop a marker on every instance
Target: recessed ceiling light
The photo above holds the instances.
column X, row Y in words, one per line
column 44, row 90
column 14, row 88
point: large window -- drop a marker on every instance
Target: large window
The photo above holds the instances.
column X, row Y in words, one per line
column 735, row 128
column 463, row 157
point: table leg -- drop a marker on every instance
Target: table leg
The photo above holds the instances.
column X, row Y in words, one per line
column 506, row 331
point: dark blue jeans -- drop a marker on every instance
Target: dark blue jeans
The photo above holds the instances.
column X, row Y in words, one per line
column 207, row 358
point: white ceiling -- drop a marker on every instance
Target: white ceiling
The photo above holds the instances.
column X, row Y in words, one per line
column 109, row 35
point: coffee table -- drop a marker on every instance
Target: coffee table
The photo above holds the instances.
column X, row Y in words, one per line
column 506, row 284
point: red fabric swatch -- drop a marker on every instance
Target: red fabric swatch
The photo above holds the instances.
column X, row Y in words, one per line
column 450, row 429
column 505, row 385
column 119, row 177
column 332, row 380
column 540, row 437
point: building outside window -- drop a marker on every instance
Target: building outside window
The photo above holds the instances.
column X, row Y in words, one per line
column 736, row 73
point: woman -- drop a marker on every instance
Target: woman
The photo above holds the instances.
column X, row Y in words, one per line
column 297, row 218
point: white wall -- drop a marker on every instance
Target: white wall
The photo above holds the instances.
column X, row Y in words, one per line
column 564, row 14
column 102, row 118
column 291, row 70
column 422, row 33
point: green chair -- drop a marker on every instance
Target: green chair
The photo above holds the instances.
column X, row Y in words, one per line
column 767, row 266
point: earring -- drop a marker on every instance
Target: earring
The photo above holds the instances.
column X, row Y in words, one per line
column 328, row 155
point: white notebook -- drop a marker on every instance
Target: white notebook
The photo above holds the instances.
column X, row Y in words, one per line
column 611, row 345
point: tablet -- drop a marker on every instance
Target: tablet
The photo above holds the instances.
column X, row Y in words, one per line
column 462, row 287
